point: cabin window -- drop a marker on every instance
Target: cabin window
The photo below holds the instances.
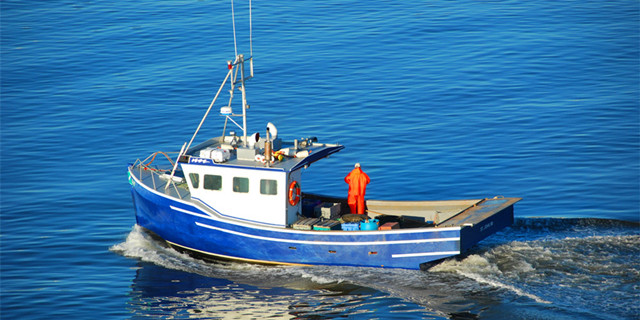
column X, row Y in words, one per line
column 195, row 180
column 268, row 186
column 240, row 185
column 212, row 182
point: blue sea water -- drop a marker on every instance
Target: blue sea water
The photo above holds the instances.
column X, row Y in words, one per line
column 436, row 100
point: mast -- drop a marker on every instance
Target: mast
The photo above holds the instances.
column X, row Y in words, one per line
column 240, row 85
column 239, row 62
column 244, row 99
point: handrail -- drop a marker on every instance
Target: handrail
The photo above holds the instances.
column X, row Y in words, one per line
column 143, row 165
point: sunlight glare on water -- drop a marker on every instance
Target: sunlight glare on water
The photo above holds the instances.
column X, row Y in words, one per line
column 436, row 100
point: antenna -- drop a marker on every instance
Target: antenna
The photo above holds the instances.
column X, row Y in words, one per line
column 233, row 19
column 250, row 39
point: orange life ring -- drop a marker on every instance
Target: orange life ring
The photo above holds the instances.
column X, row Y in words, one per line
column 294, row 193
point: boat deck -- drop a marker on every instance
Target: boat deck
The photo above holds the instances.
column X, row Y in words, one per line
column 425, row 211
column 409, row 214
column 480, row 212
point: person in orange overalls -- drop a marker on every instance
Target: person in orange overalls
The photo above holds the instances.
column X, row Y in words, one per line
column 357, row 181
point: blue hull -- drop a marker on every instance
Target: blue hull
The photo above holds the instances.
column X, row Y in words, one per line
column 187, row 225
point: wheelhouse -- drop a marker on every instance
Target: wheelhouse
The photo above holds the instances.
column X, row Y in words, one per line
column 242, row 184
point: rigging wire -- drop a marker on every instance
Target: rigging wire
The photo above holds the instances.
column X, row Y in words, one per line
column 233, row 18
column 250, row 34
column 229, row 74
column 207, row 113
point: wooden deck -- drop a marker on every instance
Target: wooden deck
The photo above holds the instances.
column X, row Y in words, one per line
column 448, row 213
column 424, row 211
column 480, row 212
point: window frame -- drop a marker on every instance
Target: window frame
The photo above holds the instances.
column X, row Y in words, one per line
column 195, row 180
column 219, row 185
column 236, row 184
column 273, row 188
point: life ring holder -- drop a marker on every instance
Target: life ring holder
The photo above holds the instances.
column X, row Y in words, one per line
column 294, row 193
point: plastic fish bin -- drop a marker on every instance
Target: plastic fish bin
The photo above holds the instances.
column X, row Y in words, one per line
column 350, row 226
column 372, row 224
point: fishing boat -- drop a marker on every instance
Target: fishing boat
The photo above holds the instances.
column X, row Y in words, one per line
column 238, row 196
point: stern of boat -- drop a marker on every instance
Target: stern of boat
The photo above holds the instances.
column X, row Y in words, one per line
column 484, row 219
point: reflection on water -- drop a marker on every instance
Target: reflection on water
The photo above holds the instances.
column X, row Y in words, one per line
column 158, row 291
column 530, row 270
column 436, row 99
column 171, row 283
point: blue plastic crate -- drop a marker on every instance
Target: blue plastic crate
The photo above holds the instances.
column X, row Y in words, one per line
column 350, row 226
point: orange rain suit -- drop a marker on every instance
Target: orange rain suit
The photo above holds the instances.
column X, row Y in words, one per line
column 357, row 181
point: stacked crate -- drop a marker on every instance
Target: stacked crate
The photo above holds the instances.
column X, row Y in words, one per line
column 328, row 210
column 327, row 225
column 305, row 223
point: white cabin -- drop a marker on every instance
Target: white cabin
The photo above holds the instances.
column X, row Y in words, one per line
column 238, row 183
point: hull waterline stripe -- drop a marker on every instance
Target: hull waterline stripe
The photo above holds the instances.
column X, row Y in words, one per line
column 190, row 212
column 345, row 233
column 424, row 254
column 332, row 243
column 237, row 258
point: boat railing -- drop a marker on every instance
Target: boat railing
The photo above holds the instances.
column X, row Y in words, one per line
column 161, row 180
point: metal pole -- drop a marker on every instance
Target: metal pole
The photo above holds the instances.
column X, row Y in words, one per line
column 244, row 100
column 175, row 166
column 224, row 129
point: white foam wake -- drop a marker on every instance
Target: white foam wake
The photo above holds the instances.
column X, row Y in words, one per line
column 481, row 270
column 141, row 246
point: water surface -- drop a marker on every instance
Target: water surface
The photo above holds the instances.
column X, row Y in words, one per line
column 436, row 100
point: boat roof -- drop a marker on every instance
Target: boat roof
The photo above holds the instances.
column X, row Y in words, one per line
column 315, row 150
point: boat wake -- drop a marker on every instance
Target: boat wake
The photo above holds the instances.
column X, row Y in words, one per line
column 483, row 271
column 551, row 267
column 143, row 246
column 561, row 262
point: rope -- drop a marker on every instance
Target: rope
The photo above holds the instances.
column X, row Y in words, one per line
column 154, row 157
